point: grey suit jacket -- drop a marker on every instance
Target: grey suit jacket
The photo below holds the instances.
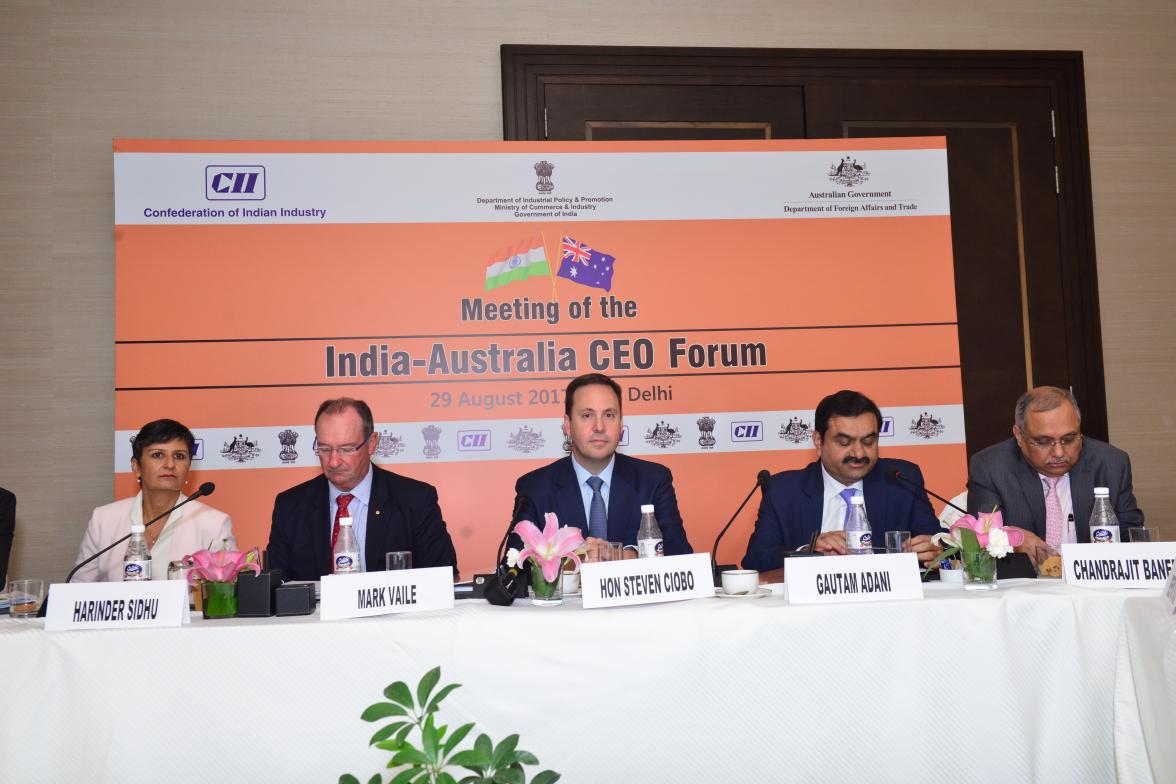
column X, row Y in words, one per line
column 999, row 475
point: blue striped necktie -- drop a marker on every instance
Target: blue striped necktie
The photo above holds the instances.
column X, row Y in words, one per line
column 597, row 514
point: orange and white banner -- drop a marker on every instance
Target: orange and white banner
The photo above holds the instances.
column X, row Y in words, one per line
column 457, row 287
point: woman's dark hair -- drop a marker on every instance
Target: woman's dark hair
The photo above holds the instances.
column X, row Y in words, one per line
column 160, row 432
column 845, row 403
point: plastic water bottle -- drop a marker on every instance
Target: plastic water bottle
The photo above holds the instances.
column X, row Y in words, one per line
column 1104, row 523
column 649, row 535
column 346, row 553
column 858, row 538
column 137, row 561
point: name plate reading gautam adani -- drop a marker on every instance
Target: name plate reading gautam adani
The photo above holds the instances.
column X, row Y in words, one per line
column 852, row 578
column 382, row 593
column 646, row 580
column 130, row 605
column 1132, row 565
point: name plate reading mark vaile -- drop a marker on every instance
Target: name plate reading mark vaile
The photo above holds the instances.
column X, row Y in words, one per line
column 132, row 605
column 1130, row 565
column 646, row 580
column 852, row 578
column 381, row 593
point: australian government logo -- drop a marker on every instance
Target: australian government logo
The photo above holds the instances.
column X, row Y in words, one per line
column 525, row 440
column 241, row 449
column 543, row 170
column 389, row 445
column 706, row 432
column 795, row 431
column 927, row 426
column 432, row 434
column 663, row 436
column 288, row 438
column 848, row 172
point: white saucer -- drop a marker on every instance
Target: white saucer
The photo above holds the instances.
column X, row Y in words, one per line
column 761, row 593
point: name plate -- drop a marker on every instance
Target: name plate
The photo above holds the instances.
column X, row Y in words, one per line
column 852, row 578
column 132, row 605
column 1131, row 565
column 382, row 593
column 646, row 580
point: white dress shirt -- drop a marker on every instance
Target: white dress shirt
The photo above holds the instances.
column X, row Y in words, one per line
column 833, row 516
column 582, row 475
column 357, row 510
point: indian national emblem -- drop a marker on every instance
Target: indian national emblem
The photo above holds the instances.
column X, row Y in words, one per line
column 389, row 445
column 848, row 172
column 544, row 170
column 241, row 449
column 525, row 440
column 706, row 432
column 432, row 435
column 927, row 426
column 288, row 438
column 795, row 431
column 567, row 444
column 663, row 435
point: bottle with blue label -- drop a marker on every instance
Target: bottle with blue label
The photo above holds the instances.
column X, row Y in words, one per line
column 859, row 540
column 1104, row 523
column 649, row 535
column 137, row 561
column 346, row 555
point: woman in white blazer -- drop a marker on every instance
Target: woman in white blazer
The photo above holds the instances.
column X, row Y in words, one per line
column 161, row 458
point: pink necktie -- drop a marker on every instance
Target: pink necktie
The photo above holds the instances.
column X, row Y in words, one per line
column 1053, row 513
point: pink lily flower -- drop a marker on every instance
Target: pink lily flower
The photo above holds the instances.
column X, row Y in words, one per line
column 988, row 522
column 220, row 566
column 549, row 547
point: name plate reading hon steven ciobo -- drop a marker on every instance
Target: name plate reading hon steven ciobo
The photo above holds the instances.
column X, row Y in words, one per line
column 129, row 605
column 1126, row 565
column 852, row 578
column 382, row 593
column 670, row 578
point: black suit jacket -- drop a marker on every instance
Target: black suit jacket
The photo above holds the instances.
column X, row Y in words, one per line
column 1000, row 476
column 553, row 488
column 403, row 514
column 7, row 530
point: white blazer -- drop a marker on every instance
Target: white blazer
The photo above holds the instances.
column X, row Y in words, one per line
column 192, row 527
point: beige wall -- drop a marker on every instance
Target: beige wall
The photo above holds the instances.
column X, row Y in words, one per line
column 73, row 75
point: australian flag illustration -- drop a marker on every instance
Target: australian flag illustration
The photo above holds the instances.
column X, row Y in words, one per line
column 581, row 264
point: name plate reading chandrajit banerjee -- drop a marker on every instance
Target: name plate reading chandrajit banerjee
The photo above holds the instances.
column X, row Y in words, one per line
column 647, row 580
column 129, row 605
column 1133, row 565
column 382, row 593
column 852, row 578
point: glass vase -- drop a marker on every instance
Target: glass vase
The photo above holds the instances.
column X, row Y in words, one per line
column 220, row 599
column 979, row 571
column 544, row 592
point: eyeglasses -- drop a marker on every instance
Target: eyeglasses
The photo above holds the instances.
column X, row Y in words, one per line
column 342, row 451
column 1065, row 442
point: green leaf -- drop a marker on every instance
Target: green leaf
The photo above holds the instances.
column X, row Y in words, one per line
column 382, row 710
column 969, row 543
column 484, row 745
column 426, row 685
column 398, row 692
column 503, row 750
column 375, row 779
column 386, row 732
column 429, row 740
column 402, row 735
column 445, row 778
column 390, row 745
column 525, row 757
column 405, row 776
column 457, row 737
column 347, row 778
column 510, row 776
column 445, row 690
column 546, row 777
column 421, row 779
column 471, row 758
column 943, row 556
column 410, row 756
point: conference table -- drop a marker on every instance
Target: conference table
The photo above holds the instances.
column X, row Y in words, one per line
column 1036, row 681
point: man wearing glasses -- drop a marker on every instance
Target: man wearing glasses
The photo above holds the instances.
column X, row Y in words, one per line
column 389, row 512
column 1048, row 471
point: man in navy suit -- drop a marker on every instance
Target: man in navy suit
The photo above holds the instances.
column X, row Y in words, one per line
column 798, row 504
column 389, row 512
column 596, row 489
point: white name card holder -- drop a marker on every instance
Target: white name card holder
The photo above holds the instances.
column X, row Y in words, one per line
column 382, row 593
column 670, row 578
column 1126, row 565
column 852, row 578
column 129, row 605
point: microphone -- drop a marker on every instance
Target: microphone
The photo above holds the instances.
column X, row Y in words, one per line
column 761, row 480
column 505, row 585
column 203, row 490
column 894, row 476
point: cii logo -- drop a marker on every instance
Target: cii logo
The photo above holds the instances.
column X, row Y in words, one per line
column 747, row 431
column 234, row 183
column 473, row 440
column 624, row 436
column 887, row 427
column 198, row 454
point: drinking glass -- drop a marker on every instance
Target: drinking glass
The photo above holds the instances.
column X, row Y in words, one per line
column 898, row 541
column 401, row 559
column 25, row 597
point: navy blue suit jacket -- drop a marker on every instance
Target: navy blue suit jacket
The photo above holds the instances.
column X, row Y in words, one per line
column 793, row 505
column 403, row 514
column 553, row 488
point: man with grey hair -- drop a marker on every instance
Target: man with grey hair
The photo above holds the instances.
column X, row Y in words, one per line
column 1047, row 472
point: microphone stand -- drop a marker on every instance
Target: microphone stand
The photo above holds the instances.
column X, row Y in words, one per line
column 502, row 587
column 717, row 571
column 896, row 474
